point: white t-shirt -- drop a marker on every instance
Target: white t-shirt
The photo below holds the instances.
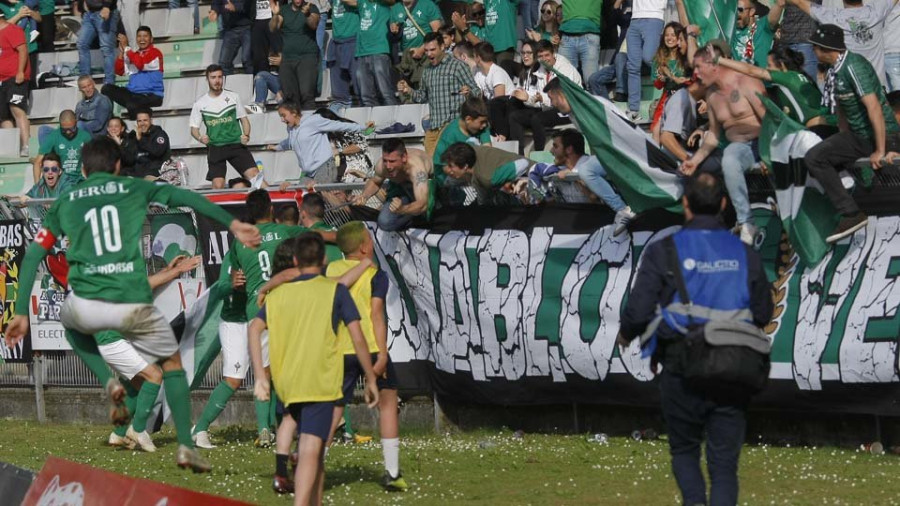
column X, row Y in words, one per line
column 648, row 9
column 863, row 29
column 263, row 9
column 495, row 77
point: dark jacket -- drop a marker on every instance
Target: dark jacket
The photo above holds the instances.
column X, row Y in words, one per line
column 655, row 287
column 144, row 157
column 243, row 15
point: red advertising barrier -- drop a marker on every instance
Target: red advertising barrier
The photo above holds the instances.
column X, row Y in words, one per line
column 62, row 482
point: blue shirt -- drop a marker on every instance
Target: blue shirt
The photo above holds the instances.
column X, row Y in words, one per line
column 309, row 141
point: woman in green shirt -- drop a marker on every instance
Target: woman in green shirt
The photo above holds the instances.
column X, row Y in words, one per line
column 791, row 89
column 548, row 27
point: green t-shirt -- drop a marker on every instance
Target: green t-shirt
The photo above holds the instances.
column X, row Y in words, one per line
column 581, row 16
column 855, row 78
column 480, row 32
column 234, row 304
column 221, row 115
column 373, row 28
column 11, row 10
column 799, row 97
column 344, row 21
column 332, row 252
column 762, row 43
column 451, row 135
column 46, row 7
column 69, row 150
column 257, row 262
column 423, row 13
column 299, row 39
column 500, row 23
column 103, row 218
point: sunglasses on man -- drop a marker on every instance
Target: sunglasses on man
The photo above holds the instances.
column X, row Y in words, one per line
column 478, row 14
column 50, row 168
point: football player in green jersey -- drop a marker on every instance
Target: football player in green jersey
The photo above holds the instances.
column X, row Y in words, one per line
column 103, row 218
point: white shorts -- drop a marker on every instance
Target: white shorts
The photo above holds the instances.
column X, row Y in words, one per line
column 235, row 352
column 123, row 358
column 143, row 325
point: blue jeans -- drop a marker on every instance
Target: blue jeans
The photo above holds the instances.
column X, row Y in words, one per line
column 892, row 69
column 810, row 62
column 263, row 83
column 174, row 4
column 596, row 84
column 583, row 51
column 529, row 10
column 687, row 413
column 343, row 66
column 594, row 177
column 374, row 76
column 391, row 222
column 234, row 38
column 737, row 158
column 642, row 39
column 94, row 27
column 320, row 41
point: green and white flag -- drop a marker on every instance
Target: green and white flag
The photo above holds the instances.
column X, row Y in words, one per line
column 716, row 18
column 806, row 212
column 200, row 342
column 643, row 173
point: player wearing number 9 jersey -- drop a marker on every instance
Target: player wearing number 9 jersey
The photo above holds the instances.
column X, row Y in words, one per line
column 256, row 264
column 103, row 218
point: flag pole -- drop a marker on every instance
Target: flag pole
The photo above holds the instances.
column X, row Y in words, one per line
column 715, row 14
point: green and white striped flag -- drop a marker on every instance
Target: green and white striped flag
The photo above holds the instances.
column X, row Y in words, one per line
column 806, row 212
column 716, row 18
column 643, row 173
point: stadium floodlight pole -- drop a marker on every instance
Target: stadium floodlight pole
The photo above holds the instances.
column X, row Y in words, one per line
column 715, row 14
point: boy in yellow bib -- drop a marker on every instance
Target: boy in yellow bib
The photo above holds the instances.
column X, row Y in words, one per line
column 369, row 292
column 306, row 361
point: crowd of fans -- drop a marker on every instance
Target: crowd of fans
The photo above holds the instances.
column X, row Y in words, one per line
column 483, row 74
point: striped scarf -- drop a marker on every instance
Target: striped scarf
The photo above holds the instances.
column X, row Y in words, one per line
column 749, row 50
column 828, row 99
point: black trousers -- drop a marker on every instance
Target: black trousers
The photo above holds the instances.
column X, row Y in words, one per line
column 47, row 27
column 827, row 158
column 499, row 110
column 538, row 120
column 262, row 43
column 298, row 80
column 131, row 101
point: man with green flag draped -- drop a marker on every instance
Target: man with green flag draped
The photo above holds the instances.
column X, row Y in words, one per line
column 644, row 174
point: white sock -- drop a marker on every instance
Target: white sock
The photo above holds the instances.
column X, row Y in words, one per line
column 390, row 447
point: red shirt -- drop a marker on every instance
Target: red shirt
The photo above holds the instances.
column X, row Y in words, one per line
column 11, row 37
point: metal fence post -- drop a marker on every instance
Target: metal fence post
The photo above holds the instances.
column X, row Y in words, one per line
column 38, row 372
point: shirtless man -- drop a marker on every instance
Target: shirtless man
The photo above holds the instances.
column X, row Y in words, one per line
column 408, row 171
column 734, row 108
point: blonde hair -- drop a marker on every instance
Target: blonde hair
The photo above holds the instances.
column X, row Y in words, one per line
column 351, row 236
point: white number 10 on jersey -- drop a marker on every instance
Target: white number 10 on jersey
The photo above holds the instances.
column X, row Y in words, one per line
column 105, row 230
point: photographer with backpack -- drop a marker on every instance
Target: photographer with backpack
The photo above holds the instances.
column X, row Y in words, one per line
column 698, row 304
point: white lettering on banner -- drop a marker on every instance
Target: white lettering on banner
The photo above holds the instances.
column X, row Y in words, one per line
column 459, row 332
column 813, row 320
column 500, row 302
column 536, row 351
column 11, row 235
column 70, row 494
column 877, row 299
column 483, row 318
column 406, row 330
column 218, row 247
column 591, row 359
